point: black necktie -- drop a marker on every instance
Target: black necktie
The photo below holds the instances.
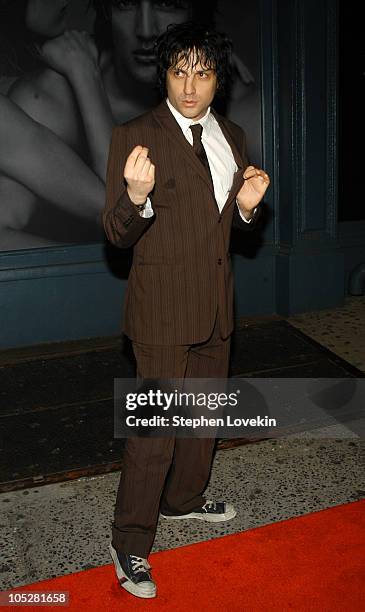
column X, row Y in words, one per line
column 197, row 130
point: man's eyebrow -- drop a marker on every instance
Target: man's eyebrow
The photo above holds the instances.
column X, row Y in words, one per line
column 194, row 69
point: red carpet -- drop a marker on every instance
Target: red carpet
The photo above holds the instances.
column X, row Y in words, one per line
column 311, row 563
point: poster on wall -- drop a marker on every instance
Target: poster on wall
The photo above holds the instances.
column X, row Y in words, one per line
column 70, row 70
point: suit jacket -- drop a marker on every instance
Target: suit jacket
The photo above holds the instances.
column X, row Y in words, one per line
column 181, row 272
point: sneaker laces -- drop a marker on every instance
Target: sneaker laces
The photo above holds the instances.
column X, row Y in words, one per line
column 209, row 504
column 139, row 564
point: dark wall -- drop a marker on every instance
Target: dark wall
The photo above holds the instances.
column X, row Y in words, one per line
column 351, row 112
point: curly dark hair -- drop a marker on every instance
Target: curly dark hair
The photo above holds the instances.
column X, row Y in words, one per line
column 213, row 50
column 201, row 11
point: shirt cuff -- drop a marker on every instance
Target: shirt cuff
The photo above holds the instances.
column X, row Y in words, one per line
column 147, row 212
column 242, row 216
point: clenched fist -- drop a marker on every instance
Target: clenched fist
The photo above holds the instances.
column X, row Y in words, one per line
column 139, row 172
column 253, row 189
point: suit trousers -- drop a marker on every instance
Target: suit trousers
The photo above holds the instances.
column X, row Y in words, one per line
column 166, row 474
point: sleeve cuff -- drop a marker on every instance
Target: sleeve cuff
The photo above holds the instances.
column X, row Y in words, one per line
column 242, row 216
column 148, row 211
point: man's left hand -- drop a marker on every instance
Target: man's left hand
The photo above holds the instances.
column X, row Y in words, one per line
column 252, row 190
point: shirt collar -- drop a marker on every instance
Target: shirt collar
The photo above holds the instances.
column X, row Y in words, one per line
column 184, row 122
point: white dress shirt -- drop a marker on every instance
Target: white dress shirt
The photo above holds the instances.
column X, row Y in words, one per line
column 219, row 153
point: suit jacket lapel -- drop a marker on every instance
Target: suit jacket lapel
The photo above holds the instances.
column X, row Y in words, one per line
column 166, row 119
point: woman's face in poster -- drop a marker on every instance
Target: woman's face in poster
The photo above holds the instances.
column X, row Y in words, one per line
column 135, row 26
column 47, row 17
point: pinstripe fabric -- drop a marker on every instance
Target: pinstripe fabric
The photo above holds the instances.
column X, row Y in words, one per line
column 181, row 271
column 168, row 474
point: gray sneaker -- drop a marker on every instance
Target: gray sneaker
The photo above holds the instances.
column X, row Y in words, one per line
column 133, row 573
column 211, row 511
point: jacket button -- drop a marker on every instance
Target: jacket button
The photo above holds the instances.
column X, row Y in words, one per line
column 220, row 220
column 219, row 261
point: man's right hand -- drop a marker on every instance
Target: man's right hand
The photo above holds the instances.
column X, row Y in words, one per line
column 139, row 172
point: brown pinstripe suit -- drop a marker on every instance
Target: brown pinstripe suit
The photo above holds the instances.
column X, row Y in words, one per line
column 181, row 271
column 178, row 307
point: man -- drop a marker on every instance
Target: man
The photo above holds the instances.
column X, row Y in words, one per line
column 185, row 179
